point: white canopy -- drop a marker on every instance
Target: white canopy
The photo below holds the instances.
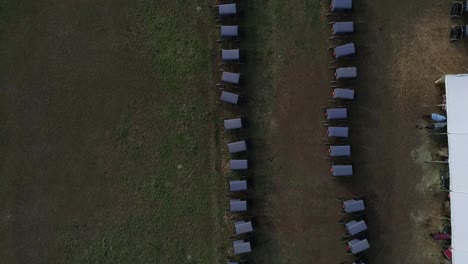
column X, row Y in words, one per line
column 459, row 256
column 456, row 87
column 459, row 218
column 458, row 167
column 457, row 128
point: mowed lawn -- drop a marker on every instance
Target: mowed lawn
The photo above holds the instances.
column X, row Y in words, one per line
column 109, row 143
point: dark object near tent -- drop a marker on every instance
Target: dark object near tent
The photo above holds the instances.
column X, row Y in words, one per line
column 357, row 245
column 341, row 170
column 226, row 10
column 346, row 73
column 441, row 236
column 236, row 205
column 229, row 31
column 340, row 151
column 238, row 164
column 340, row 132
column 341, row 5
column 458, row 9
column 238, row 185
column 229, row 97
column 342, row 28
column 236, row 147
column 235, row 123
column 230, row 77
column 230, row 55
column 458, row 32
column 447, row 253
column 344, row 51
column 241, row 247
column 336, row 113
column 343, row 94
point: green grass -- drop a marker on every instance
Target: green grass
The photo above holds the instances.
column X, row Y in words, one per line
column 179, row 219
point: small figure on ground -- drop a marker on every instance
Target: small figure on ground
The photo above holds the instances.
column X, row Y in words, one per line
column 438, row 125
column 436, row 117
column 440, row 236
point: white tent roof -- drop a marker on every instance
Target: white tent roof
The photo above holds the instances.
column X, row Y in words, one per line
column 459, row 256
column 457, row 128
column 459, row 221
column 458, row 155
column 457, row 107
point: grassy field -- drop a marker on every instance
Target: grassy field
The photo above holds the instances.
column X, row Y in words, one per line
column 134, row 174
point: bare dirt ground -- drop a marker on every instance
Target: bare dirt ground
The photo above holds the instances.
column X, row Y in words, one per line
column 398, row 42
